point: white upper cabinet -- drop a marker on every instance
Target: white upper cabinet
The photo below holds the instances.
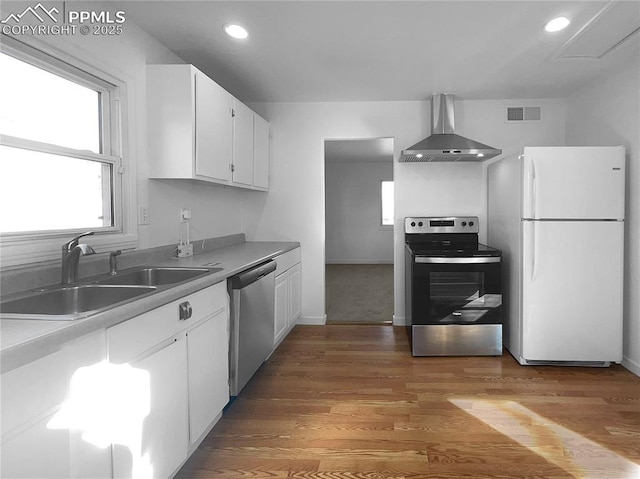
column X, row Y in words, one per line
column 197, row 130
column 214, row 128
column 242, row 145
column 260, row 153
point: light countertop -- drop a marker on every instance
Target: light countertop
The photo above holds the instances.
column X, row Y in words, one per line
column 23, row 341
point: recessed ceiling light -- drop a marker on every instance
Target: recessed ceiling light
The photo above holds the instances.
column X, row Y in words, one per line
column 557, row 24
column 236, row 31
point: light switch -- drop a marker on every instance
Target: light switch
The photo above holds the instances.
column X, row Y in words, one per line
column 143, row 215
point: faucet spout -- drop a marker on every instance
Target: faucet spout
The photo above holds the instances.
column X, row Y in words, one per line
column 71, row 252
column 113, row 262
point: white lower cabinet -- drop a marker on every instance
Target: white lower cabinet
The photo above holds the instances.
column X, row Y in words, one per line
column 287, row 294
column 162, row 444
column 37, row 452
column 186, row 364
column 295, row 300
column 281, row 307
column 208, row 369
column 40, row 438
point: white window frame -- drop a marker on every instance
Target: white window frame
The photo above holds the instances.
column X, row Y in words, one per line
column 382, row 224
column 25, row 248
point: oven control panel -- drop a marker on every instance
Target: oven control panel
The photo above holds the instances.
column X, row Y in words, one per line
column 441, row 224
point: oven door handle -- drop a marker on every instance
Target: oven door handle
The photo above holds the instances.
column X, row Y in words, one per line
column 470, row 260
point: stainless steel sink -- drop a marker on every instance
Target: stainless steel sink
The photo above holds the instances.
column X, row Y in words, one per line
column 70, row 302
column 157, row 276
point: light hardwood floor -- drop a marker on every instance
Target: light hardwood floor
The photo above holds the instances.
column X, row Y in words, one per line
column 350, row 402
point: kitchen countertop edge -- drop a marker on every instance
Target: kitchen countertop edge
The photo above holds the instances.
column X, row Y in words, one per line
column 233, row 259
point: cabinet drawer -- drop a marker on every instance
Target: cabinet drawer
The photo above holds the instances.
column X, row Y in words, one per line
column 287, row 260
column 131, row 338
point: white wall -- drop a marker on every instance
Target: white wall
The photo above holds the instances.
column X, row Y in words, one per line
column 441, row 189
column 216, row 210
column 294, row 207
column 354, row 233
column 607, row 112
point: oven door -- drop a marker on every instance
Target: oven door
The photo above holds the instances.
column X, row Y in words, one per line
column 454, row 306
column 457, row 290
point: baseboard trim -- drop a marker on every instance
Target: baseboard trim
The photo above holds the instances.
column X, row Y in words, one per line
column 631, row 366
column 399, row 320
column 313, row 320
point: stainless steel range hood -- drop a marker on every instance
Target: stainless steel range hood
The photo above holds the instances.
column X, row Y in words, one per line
column 444, row 144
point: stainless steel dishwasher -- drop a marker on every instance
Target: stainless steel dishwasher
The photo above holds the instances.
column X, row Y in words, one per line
column 252, row 323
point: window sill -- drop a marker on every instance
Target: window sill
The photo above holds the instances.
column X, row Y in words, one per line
column 15, row 255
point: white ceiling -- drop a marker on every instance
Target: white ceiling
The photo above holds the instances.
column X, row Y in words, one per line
column 392, row 50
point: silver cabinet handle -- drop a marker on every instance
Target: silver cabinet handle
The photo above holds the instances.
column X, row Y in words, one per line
column 185, row 310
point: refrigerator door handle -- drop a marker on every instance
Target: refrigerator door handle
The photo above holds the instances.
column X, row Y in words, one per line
column 533, row 249
column 529, row 187
column 534, row 186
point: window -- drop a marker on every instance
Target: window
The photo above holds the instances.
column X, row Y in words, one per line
column 59, row 147
column 387, row 203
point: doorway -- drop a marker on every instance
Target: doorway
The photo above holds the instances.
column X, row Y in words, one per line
column 359, row 231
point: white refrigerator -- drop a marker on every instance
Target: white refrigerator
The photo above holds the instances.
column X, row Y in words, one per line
column 557, row 214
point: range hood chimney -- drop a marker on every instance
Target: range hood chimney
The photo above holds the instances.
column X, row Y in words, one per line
column 444, row 144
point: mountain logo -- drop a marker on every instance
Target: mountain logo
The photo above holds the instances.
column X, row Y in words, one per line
column 39, row 11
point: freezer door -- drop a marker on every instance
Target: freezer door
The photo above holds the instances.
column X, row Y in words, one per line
column 572, row 290
column 573, row 182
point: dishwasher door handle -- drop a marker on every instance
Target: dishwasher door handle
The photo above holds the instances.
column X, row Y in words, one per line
column 248, row 277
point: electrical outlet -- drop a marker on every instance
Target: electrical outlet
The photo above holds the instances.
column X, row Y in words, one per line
column 143, row 215
column 185, row 214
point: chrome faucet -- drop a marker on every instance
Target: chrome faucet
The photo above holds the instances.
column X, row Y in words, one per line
column 71, row 252
column 113, row 262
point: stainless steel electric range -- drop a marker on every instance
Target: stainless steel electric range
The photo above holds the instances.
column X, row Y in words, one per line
column 453, row 288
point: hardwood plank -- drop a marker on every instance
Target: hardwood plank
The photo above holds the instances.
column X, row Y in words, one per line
column 350, row 402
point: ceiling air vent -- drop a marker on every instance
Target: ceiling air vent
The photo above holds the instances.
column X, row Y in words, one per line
column 523, row 113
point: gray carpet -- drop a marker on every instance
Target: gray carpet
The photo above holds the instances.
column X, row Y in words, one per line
column 359, row 293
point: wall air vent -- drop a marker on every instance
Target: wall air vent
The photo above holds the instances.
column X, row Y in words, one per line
column 518, row 114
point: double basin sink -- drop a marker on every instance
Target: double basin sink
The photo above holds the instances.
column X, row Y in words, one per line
column 70, row 302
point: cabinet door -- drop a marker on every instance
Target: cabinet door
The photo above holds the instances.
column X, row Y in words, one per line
column 242, row 145
column 295, row 302
column 260, row 153
column 170, row 121
column 208, row 353
column 32, row 395
column 41, row 452
column 37, row 452
column 164, row 441
column 214, row 129
column 281, row 305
